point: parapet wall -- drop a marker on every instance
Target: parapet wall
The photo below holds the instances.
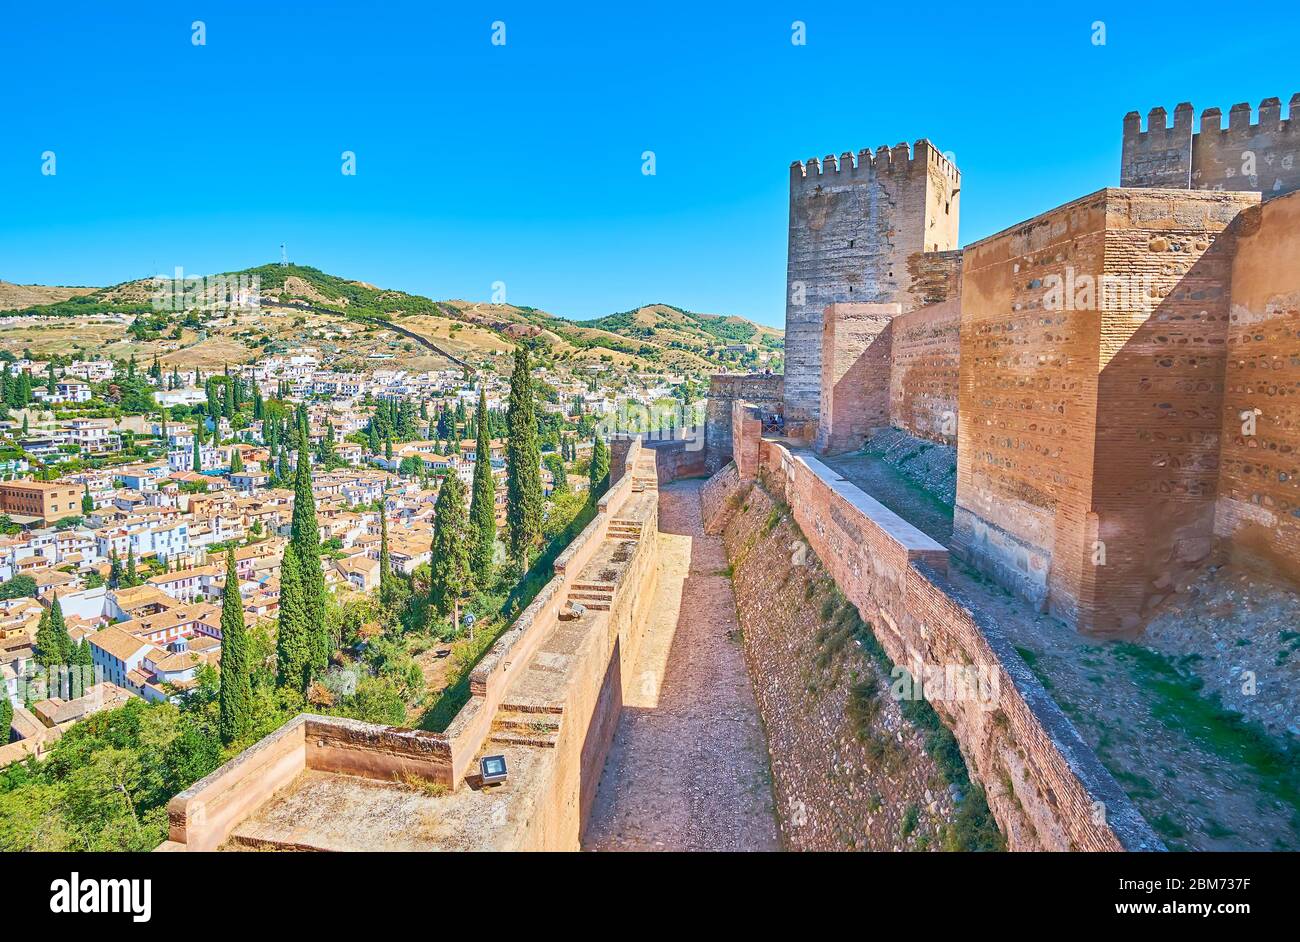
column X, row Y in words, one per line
column 1045, row 787
column 1262, row 156
column 854, row 224
column 1258, row 509
column 569, row 673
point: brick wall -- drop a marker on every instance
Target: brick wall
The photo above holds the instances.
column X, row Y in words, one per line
column 1258, row 509
column 856, row 341
column 854, row 223
column 923, row 375
column 1090, row 376
column 1044, row 786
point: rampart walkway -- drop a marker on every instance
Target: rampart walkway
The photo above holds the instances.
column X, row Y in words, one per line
column 689, row 767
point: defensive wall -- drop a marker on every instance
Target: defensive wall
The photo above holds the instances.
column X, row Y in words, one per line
column 1258, row 509
column 1260, row 155
column 547, row 696
column 1045, row 787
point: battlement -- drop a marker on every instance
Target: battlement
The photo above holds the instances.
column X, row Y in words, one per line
column 1257, row 151
column 899, row 159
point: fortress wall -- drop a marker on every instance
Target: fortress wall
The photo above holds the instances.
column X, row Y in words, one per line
column 761, row 389
column 923, row 374
column 1045, row 787
column 856, row 344
column 1090, row 382
column 1261, row 155
column 1026, row 406
column 936, row 276
column 854, row 224
column 1258, row 509
column 1159, row 399
column 716, row 495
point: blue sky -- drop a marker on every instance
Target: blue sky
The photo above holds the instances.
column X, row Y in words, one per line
column 522, row 163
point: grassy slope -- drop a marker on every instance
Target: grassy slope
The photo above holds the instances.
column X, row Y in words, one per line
column 653, row 335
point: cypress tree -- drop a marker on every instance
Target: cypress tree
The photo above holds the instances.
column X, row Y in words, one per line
column 114, row 569
column 198, row 454
column 523, row 464
column 449, row 564
column 599, row 467
column 292, row 642
column 87, row 502
column 385, row 561
column 236, row 461
column 132, row 578
column 482, row 505
column 6, row 719
column 52, row 636
column 236, row 694
column 304, row 534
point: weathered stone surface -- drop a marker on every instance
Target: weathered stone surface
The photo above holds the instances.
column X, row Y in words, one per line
column 1258, row 508
column 1261, row 157
column 854, row 224
column 1091, row 395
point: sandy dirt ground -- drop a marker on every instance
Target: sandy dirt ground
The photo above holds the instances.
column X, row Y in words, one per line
column 689, row 766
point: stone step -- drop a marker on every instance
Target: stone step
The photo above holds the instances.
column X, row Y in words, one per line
column 582, row 596
column 545, row 740
column 594, row 586
column 520, row 707
column 526, row 722
column 594, row 605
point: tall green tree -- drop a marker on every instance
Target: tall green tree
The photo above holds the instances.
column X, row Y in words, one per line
column 52, row 640
column 599, row 472
column 236, row 461
column 449, row 562
column 132, row 577
column 303, row 640
column 236, row 694
column 523, row 464
column 198, row 453
column 6, row 718
column 482, row 504
column 87, row 502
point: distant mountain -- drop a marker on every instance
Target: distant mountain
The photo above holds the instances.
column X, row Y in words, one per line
column 656, row 336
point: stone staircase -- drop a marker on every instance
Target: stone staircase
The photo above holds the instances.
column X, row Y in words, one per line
column 624, row 530
column 596, row 596
column 523, row 724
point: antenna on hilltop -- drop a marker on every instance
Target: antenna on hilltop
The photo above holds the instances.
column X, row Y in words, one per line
column 284, row 256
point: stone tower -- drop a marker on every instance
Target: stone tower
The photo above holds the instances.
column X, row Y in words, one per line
column 854, row 226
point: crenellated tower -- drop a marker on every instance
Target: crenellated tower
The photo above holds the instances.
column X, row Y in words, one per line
column 854, row 223
column 1261, row 156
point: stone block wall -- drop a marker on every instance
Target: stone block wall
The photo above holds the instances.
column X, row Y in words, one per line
column 936, row 276
column 762, row 389
column 923, row 374
column 1090, row 383
column 1261, row 156
column 854, row 224
column 855, row 362
column 1258, row 510
column 1044, row 786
